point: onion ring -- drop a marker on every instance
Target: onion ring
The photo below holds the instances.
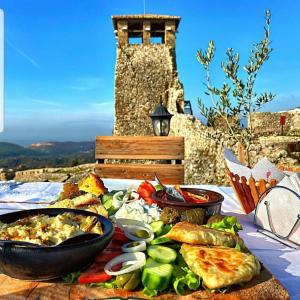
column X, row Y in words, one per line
column 138, row 257
column 129, row 232
column 141, row 246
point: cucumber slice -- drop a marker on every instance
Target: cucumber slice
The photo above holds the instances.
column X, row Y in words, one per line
column 162, row 254
column 158, row 187
column 106, row 197
column 156, row 276
column 157, row 227
column 108, row 203
column 160, row 240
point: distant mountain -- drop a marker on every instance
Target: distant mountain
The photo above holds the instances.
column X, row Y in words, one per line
column 46, row 154
column 63, row 148
column 14, row 150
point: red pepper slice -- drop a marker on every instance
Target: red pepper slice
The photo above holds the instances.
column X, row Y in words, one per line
column 107, row 256
column 145, row 190
column 189, row 197
column 94, row 278
column 120, row 237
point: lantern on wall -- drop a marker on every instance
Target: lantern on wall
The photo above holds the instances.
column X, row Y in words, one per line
column 161, row 120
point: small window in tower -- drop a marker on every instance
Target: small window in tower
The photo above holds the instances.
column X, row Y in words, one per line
column 135, row 40
column 156, row 40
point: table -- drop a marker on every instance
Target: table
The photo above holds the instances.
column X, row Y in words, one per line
column 283, row 262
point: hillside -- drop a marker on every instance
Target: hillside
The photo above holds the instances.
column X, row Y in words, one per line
column 63, row 148
column 14, row 150
column 46, row 154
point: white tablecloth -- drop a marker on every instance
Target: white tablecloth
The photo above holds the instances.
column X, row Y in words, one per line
column 282, row 261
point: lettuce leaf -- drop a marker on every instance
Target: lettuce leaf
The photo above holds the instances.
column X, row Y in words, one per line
column 184, row 279
column 229, row 224
column 72, row 277
column 111, row 284
column 222, row 290
column 150, row 293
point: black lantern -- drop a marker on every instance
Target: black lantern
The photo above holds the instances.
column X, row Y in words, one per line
column 161, row 119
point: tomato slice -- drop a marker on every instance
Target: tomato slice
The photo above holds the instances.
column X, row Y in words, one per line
column 120, row 237
column 94, row 278
column 107, row 256
column 146, row 189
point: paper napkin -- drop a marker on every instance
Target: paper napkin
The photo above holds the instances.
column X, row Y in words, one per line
column 284, row 208
column 264, row 169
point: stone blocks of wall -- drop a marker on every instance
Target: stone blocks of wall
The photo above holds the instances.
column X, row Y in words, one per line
column 143, row 74
column 266, row 123
column 204, row 160
column 68, row 174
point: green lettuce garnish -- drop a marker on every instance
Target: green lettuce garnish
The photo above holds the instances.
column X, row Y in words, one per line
column 222, row 290
column 184, row 279
column 111, row 284
column 150, row 293
column 228, row 223
column 72, row 277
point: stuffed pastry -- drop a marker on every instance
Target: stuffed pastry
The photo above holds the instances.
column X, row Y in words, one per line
column 220, row 266
column 194, row 234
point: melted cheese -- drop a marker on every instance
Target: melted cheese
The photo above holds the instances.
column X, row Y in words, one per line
column 220, row 266
column 46, row 230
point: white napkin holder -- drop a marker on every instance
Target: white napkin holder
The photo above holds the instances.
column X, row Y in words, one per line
column 277, row 215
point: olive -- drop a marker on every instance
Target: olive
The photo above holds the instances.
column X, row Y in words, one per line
column 141, row 233
column 133, row 244
column 134, row 281
column 121, row 280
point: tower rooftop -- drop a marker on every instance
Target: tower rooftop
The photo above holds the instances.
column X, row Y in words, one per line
column 149, row 17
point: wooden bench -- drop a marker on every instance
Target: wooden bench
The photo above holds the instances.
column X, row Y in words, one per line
column 170, row 150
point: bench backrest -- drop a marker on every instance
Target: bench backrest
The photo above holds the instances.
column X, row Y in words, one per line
column 170, row 150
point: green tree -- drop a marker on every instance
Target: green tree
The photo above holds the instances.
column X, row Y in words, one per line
column 236, row 98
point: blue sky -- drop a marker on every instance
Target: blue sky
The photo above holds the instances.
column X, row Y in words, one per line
column 60, row 58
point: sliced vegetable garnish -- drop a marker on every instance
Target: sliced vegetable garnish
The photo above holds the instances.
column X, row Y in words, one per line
column 145, row 190
column 129, row 281
column 120, row 237
column 123, row 223
column 157, row 227
column 93, row 278
column 156, row 277
column 184, row 279
column 107, row 256
column 134, row 246
column 72, row 277
column 166, row 229
column 162, row 254
column 139, row 259
column 228, row 223
column 139, row 233
column 117, row 200
column 160, row 240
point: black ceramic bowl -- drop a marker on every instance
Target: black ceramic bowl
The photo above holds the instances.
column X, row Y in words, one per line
column 212, row 206
column 44, row 263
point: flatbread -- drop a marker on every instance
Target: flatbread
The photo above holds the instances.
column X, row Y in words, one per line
column 194, row 234
column 220, row 266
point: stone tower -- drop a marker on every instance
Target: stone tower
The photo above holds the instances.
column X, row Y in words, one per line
column 146, row 71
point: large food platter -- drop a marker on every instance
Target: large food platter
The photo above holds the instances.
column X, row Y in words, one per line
column 158, row 250
column 263, row 287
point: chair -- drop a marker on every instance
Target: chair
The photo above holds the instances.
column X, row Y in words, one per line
column 170, row 150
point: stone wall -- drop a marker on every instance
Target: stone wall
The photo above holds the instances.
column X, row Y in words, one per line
column 204, row 161
column 143, row 74
column 72, row 174
column 266, row 123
